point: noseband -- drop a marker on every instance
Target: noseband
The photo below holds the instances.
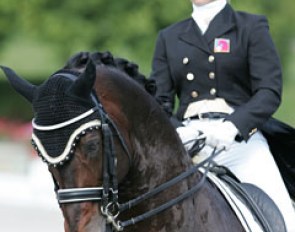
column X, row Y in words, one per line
column 107, row 194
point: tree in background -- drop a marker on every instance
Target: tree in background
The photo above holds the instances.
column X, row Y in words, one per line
column 127, row 28
column 54, row 30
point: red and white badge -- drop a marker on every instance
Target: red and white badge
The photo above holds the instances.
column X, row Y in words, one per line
column 221, row 45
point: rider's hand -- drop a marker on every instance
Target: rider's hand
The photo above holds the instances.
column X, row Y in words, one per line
column 222, row 135
column 188, row 136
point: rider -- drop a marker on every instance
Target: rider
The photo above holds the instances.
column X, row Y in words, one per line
column 224, row 68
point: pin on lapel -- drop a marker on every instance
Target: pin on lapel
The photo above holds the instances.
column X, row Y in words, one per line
column 221, row 45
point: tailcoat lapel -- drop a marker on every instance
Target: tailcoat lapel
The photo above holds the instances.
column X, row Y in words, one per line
column 222, row 23
column 193, row 36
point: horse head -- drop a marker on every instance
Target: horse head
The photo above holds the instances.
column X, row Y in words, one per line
column 71, row 133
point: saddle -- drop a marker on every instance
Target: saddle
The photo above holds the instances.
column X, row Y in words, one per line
column 264, row 211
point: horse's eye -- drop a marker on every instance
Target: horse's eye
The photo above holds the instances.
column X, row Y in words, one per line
column 91, row 147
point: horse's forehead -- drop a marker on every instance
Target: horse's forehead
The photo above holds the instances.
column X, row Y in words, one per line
column 51, row 93
column 52, row 104
column 55, row 86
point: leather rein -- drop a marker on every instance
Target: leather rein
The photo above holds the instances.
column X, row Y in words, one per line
column 107, row 194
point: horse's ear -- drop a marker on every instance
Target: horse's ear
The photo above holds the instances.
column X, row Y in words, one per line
column 23, row 87
column 83, row 85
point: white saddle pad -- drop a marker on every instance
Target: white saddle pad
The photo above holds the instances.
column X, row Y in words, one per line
column 241, row 210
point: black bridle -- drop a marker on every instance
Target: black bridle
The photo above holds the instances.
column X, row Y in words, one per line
column 107, row 194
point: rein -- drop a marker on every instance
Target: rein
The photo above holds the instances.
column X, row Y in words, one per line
column 119, row 226
column 107, row 194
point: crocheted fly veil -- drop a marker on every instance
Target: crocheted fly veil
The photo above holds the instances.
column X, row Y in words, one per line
column 63, row 111
column 55, row 106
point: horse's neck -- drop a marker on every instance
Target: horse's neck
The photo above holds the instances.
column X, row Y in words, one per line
column 158, row 154
column 159, row 157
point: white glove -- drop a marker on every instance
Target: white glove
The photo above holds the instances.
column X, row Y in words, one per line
column 188, row 136
column 221, row 135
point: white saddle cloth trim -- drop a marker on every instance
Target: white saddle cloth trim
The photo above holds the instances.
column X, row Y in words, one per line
column 241, row 210
column 205, row 106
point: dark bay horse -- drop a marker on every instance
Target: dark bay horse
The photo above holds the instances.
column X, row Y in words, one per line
column 106, row 141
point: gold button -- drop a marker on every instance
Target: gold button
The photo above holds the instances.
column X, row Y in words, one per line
column 211, row 59
column 213, row 91
column 190, row 76
column 212, row 75
column 194, row 94
column 185, row 60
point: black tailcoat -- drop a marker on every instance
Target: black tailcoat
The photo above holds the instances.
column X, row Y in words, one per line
column 248, row 77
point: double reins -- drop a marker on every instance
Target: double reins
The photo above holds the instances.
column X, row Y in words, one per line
column 206, row 164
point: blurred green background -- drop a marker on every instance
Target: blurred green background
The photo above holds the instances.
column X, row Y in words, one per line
column 37, row 37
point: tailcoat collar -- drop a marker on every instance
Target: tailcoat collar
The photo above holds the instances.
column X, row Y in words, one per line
column 222, row 23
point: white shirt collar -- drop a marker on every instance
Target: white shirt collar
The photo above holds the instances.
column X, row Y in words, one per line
column 204, row 14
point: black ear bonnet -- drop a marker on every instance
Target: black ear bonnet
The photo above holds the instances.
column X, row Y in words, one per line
column 54, row 104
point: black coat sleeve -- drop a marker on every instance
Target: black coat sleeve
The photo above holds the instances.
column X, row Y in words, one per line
column 266, row 81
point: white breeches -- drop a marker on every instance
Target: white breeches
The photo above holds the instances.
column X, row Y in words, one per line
column 251, row 162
